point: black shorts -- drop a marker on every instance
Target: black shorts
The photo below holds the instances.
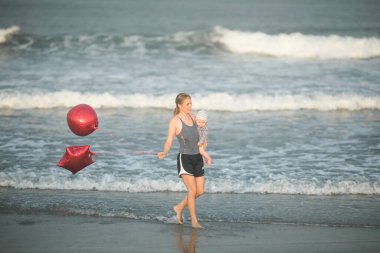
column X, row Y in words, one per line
column 190, row 165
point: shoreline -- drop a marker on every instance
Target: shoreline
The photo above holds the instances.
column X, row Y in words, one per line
column 52, row 233
column 276, row 209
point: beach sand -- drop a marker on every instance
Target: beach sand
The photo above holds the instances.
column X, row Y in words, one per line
column 50, row 233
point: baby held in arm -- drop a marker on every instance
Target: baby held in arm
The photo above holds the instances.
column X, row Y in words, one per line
column 201, row 120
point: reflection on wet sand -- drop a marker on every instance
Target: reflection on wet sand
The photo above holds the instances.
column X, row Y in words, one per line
column 186, row 241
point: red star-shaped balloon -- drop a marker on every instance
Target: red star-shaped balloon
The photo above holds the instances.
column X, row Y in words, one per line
column 76, row 158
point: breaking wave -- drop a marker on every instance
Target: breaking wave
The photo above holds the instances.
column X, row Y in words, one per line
column 220, row 101
column 297, row 45
column 107, row 182
column 253, row 43
column 6, row 34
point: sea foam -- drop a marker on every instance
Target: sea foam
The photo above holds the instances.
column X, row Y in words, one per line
column 107, row 182
column 5, row 34
column 221, row 101
column 297, row 45
column 253, row 43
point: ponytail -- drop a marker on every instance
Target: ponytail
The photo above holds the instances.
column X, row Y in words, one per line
column 176, row 110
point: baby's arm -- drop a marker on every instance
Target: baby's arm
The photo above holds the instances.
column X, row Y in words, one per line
column 202, row 151
column 202, row 144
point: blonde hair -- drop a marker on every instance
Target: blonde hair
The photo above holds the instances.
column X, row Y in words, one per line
column 179, row 100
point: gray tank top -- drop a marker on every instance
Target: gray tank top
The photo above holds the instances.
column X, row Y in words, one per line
column 188, row 139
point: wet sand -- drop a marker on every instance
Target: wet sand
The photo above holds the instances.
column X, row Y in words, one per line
column 50, row 233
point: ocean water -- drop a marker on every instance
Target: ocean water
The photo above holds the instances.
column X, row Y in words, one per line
column 292, row 90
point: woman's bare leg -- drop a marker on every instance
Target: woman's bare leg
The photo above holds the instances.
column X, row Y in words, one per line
column 195, row 188
column 178, row 211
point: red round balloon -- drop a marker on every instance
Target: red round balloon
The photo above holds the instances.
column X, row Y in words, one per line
column 82, row 120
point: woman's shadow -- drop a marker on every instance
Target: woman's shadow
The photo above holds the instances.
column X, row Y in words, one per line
column 191, row 235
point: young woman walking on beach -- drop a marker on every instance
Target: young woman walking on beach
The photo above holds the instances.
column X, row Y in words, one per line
column 189, row 161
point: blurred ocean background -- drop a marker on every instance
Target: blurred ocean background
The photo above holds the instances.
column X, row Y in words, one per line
column 292, row 88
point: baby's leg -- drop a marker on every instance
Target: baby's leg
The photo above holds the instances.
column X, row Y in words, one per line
column 205, row 155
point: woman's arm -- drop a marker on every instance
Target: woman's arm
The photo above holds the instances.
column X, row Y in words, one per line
column 169, row 139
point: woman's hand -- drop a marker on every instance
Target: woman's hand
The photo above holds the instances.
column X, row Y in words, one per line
column 169, row 139
column 161, row 155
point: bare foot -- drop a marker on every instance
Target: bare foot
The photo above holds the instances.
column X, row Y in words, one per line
column 197, row 225
column 179, row 214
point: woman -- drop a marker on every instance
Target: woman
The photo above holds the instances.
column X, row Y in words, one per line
column 189, row 161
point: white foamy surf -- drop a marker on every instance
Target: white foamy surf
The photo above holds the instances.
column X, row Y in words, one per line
column 288, row 45
column 107, row 182
column 220, row 101
column 297, row 45
column 6, row 34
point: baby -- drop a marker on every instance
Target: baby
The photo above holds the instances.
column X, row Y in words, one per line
column 201, row 120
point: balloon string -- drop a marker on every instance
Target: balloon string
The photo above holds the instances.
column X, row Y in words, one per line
column 108, row 134
column 114, row 138
column 148, row 153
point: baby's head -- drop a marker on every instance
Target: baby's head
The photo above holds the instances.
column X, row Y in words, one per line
column 201, row 118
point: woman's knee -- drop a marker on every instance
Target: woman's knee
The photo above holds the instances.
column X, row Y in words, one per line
column 199, row 192
column 192, row 193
